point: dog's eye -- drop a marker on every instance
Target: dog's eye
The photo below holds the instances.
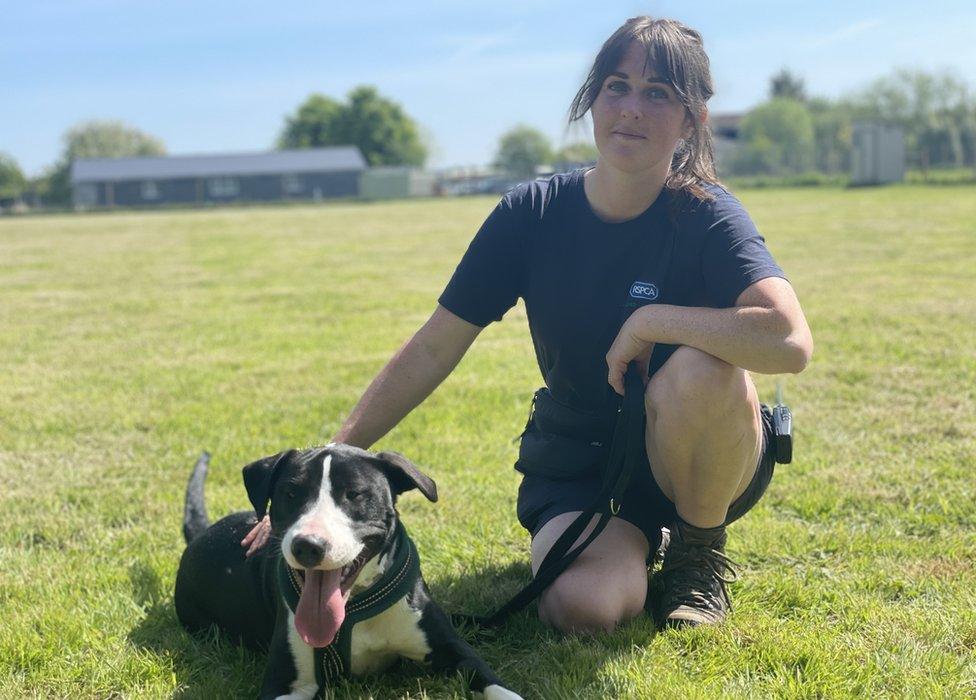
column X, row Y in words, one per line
column 355, row 495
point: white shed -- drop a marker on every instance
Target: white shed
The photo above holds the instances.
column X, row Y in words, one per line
column 879, row 154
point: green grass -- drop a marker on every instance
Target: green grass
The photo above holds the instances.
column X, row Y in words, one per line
column 131, row 341
column 942, row 176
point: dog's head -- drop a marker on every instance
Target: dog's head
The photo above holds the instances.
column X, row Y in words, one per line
column 333, row 509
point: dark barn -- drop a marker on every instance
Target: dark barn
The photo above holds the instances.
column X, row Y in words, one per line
column 316, row 173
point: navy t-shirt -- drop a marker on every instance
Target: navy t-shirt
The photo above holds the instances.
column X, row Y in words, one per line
column 581, row 277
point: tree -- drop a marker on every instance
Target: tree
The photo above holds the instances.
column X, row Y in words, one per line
column 314, row 125
column 832, row 130
column 12, row 180
column 96, row 139
column 379, row 127
column 785, row 84
column 521, row 150
column 778, row 139
column 935, row 110
column 580, row 152
column 109, row 139
column 383, row 132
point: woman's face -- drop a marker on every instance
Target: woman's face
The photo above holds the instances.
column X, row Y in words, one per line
column 637, row 117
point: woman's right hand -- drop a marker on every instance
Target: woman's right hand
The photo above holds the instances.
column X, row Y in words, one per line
column 258, row 536
column 415, row 371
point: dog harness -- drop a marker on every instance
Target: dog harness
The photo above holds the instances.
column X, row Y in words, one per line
column 333, row 662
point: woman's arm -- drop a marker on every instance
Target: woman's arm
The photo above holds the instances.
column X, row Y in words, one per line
column 764, row 332
column 409, row 377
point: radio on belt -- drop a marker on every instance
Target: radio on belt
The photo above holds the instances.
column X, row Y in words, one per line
column 783, row 433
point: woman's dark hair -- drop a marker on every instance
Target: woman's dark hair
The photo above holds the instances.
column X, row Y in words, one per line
column 676, row 53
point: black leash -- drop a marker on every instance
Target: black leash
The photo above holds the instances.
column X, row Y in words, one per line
column 626, row 451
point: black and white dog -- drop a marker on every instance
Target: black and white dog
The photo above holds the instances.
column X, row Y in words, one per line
column 338, row 589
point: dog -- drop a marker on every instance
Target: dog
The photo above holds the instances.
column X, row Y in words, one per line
column 337, row 591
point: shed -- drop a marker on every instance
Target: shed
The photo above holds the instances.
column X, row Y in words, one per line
column 879, row 154
column 395, row 182
column 314, row 173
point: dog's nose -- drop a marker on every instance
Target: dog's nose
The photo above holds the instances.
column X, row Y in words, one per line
column 309, row 550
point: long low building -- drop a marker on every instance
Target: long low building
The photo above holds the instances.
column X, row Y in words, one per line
column 315, row 173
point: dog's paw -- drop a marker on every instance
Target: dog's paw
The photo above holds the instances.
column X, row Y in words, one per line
column 496, row 692
column 305, row 692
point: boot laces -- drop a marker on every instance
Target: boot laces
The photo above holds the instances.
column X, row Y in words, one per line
column 698, row 575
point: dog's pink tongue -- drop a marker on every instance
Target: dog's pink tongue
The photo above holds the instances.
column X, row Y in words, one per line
column 320, row 609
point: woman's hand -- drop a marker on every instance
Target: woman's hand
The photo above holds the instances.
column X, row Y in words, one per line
column 630, row 345
column 258, row 536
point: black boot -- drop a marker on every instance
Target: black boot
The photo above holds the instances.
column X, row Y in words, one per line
column 693, row 577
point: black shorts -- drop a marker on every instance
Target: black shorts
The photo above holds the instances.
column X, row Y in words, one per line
column 542, row 497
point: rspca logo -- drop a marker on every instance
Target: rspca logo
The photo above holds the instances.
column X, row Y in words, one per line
column 644, row 290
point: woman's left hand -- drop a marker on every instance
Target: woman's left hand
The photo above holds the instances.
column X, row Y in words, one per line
column 630, row 345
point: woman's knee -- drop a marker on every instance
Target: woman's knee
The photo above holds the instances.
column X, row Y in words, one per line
column 582, row 602
column 694, row 383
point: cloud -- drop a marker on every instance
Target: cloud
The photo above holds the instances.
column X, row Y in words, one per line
column 838, row 36
column 502, row 70
column 472, row 45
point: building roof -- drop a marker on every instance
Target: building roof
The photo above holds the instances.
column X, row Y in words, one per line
column 217, row 165
column 726, row 125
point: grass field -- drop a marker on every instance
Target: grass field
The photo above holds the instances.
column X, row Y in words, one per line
column 131, row 341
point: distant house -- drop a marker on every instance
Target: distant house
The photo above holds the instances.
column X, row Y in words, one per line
column 725, row 139
column 726, row 126
column 315, row 173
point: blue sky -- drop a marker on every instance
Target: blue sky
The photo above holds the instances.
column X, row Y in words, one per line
column 221, row 76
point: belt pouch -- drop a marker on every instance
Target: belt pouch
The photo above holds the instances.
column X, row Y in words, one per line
column 562, row 442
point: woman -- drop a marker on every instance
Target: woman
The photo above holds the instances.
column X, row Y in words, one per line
column 644, row 257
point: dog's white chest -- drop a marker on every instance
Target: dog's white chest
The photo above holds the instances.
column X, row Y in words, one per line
column 377, row 642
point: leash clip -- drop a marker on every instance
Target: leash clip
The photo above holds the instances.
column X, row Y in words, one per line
column 614, row 507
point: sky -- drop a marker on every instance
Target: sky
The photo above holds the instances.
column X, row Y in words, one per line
column 220, row 76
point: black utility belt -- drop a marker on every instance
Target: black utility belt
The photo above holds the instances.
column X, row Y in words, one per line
column 564, row 442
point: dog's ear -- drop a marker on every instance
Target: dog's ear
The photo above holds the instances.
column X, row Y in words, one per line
column 260, row 478
column 404, row 475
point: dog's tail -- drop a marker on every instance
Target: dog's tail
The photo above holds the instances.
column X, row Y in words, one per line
column 195, row 518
